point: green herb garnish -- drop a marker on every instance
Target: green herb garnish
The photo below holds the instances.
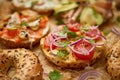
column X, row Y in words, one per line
column 55, row 75
column 65, row 44
column 92, row 41
column 62, row 53
column 69, row 33
column 85, row 29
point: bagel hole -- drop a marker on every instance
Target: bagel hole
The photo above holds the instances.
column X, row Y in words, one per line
column 11, row 71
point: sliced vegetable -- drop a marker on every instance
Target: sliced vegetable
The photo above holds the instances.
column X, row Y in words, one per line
column 74, row 27
column 12, row 33
column 65, row 7
column 23, row 35
column 90, row 17
column 93, row 33
column 55, row 75
column 34, row 25
column 115, row 31
column 92, row 74
column 82, row 49
column 47, row 42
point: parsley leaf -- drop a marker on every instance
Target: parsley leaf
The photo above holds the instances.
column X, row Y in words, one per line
column 85, row 29
column 55, row 75
column 62, row 53
column 69, row 33
column 92, row 41
column 65, row 44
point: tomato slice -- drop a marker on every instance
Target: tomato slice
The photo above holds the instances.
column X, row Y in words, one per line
column 94, row 33
column 12, row 33
column 74, row 27
column 47, row 42
column 85, row 50
column 43, row 21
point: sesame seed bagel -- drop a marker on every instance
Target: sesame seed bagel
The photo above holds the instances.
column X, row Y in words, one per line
column 70, row 61
column 113, row 62
column 26, row 64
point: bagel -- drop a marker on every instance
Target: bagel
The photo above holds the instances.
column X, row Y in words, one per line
column 113, row 61
column 69, row 61
column 42, row 6
column 23, row 29
column 26, row 64
column 111, row 40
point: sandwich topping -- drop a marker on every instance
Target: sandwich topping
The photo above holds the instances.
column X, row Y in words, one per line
column 23, row 26
column 75, row 39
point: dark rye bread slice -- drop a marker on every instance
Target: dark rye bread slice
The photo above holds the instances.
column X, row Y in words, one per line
column 113, row 61
column 70, row 61
column 26, row 64
column 23, row 44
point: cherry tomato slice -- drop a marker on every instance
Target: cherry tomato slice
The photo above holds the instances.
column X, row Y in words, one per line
column 12, row 33
column 74, row 27
column 94, row 34
column 47, row 42
column 84, row 48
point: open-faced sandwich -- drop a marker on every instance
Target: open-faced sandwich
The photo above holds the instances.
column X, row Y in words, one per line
column 73, row 46
column 87, row 12
column 42, row 6
column 23, row 29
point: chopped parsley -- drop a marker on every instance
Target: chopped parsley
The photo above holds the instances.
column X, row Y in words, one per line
column 69, row 33
column 62, row 53
column 65, row 44
column 85, row 29
column 92, row 41
column 55, row 75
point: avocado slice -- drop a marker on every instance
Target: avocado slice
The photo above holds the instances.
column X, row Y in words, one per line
column 90, row 17
column 65, row 7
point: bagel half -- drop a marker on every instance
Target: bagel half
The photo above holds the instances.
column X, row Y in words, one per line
column 42, row 6
column 26, row 64
column 70, row 61
column 113, row 61
column 27, row 37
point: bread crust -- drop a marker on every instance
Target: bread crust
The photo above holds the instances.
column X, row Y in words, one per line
column 26, row 64
column 113, row 61
column 71, row 62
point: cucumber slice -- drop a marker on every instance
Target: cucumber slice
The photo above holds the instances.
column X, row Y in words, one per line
column 90, row 17
column 65, row 7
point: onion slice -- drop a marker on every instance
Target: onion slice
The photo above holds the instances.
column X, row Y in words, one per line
column 94, row 74
column 115, row 31
column 75, row 51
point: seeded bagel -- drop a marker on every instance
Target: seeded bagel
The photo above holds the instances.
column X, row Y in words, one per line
column 61, row 54
column 113, row 62
column 71, row 61
column 26, row 64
